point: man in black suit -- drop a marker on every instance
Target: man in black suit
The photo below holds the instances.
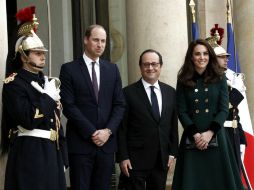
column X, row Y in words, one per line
column 148, row 138
column 93, row 103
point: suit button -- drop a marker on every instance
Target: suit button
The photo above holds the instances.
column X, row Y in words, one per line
column 206, row 100
column 196, row 100
column 206, row 110
column 206, row 89
column 196, row 90
column 197, row 111
column 51, row 120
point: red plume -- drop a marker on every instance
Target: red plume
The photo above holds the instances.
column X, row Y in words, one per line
column 219, row 30
column 26, row 14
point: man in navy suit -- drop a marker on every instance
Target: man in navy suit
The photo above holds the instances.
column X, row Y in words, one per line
column 148, row 138
column 93, row 103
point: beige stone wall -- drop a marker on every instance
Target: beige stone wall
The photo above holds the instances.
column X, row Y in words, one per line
column 160, row 25
column 244, row 35
column 216, row 15
column 209, row 13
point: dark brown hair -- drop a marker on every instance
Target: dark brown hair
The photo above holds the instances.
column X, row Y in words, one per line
column 150, row 51
column 213, row 72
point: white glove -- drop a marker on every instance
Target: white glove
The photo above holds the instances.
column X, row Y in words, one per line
column 37, row 87
column 238, row 83
column 236, row 80
column 242, row 151
column 51, row 89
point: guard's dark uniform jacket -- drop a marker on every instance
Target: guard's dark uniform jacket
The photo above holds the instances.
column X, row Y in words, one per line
column 235, row 131
column 34, row 163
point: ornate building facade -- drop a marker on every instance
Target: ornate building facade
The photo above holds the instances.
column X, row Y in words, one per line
column 133, row 26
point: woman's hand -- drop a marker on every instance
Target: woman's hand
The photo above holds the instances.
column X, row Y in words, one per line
column 197, row 137
column 207, row 136
column 204, row 139
column 198, row 141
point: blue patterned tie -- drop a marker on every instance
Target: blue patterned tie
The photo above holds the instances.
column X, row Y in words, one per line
column 155, row 105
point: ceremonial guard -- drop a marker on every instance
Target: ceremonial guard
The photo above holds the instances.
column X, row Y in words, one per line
column 235, row 87
column 31, row 131
column 232, row 124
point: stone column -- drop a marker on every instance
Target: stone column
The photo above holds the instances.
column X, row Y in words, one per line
column 243, row 25
column 209, row 13
column 3, row 55
column 160, row 25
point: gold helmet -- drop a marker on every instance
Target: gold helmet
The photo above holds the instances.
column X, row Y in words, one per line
column 216, row 39
column 219, row 50
column 28, row 40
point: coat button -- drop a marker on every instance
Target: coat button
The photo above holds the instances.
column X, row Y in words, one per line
column 206, row 110
column 206, row 89
column 197, row 111
column 196, row 100
column 51, row 120
column 196, row 90
column 206, row 100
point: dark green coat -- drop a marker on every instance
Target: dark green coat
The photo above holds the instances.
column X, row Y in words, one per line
column 214, row 168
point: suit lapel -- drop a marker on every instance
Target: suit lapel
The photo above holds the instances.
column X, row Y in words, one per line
column 86, row 75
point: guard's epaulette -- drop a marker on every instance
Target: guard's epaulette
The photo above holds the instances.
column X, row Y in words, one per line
column 10, row 78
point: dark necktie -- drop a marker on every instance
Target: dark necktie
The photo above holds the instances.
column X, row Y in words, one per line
column 94, row 81
column 155, row 105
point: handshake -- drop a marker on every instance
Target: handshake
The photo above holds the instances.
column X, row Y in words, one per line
column 51, row 87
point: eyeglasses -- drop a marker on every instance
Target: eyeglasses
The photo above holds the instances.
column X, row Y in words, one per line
column 153, row 64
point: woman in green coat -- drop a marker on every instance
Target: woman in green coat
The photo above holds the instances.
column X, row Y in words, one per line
column 205, row 160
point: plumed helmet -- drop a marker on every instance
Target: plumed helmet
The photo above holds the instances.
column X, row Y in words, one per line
column 219, row 50
column 215, row 40
column 28, row 40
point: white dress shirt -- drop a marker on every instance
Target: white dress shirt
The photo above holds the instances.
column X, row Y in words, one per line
column 88, row 62
column 157, row 91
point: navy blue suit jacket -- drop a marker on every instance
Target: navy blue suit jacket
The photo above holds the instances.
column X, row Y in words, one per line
column 81, row 109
